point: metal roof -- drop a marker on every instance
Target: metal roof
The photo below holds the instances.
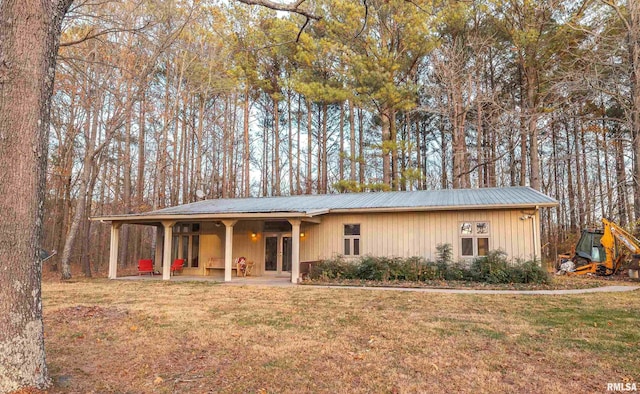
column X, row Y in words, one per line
column 313, row 205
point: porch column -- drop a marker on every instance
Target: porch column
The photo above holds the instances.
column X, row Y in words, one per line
column 113, row 250
column 536, row 231
column 228, row 248
column 166, row 260
column 157, row 262
column 295, row 250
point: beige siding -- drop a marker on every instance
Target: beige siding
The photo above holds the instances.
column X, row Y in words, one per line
column 417, row 234
column 211, row 247
column 246, row 246
column 399, row 234
column 212, row 244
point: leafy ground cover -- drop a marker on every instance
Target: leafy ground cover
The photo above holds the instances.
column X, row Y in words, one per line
column 199, row 337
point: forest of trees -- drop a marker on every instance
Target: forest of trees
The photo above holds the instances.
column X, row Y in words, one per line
column 154, row 101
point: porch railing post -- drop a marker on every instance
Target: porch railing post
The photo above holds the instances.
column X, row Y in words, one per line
column 113, row 250
column 228, row 248
column 157, row 265
column 295, row 250
column 166, row 260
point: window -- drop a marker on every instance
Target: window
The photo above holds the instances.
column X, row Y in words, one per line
column 186, row 244
column 277, row 227
column 474, row 239
column 352, row 240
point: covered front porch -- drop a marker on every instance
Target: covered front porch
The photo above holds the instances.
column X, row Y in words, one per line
column 272, row 281
column 210, row 246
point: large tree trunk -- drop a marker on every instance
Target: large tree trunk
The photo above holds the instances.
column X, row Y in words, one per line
column 634, row 60
column 247, row 147
column 573, row 226
column 621, row 180
column 126, row 184
column 385, row 120
column 323, row 141
column 276, row 146
column 298, row 148
column 290, row 145
column 341, row 156
column 29, row 32
column 309, row 180
column 393, row 141
column 361, row 162
column 352, row 143
column 91, row 132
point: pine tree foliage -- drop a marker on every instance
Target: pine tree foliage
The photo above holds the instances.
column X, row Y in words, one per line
column 155, row 101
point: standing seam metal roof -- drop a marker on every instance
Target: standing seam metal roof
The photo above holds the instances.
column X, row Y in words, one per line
column 484, row 198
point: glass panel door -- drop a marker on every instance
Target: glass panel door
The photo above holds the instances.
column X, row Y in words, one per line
column 286, row 253
column 271, row 254
column 174, row 247
column 195, row 250
column 185, row 250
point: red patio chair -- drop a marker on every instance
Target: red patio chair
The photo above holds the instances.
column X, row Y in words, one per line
column 177, row 265
column 145, row 267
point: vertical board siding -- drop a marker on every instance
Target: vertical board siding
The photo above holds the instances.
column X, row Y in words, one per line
column 397, row 234
column 406, row 234
column 247, row 247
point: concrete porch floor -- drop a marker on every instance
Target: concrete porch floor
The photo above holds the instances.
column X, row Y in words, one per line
column 267, row 280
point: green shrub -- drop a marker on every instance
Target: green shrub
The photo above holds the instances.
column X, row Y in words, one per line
column 444, row 254
column 530, row 272
column 373, row 268
column 416, row 268
column 492, row 268
column 336, row 268
column 453, row 271
column 444, row 262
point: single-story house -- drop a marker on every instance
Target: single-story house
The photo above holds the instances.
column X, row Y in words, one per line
column 278, row 233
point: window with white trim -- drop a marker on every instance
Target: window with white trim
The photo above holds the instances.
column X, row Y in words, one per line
column 352, row 240
column 474, row 238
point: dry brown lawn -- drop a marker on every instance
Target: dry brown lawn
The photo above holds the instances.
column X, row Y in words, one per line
column 154, row 337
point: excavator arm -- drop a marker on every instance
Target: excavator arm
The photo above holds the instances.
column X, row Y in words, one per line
column 613, row 232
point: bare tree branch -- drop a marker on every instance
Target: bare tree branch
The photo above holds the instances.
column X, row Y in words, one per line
column 306, row 22
column 294, row 7
column 366, row 16
column 91, row 35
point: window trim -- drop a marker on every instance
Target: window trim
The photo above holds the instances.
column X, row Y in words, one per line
column 350, row 238
column 474, row 236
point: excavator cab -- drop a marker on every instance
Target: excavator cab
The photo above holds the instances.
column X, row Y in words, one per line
column 589, row 248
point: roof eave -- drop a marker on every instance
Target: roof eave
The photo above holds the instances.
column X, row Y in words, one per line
column 147, row 218
column 447, row 208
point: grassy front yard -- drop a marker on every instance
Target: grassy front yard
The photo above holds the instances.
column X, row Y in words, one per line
column 154, row 337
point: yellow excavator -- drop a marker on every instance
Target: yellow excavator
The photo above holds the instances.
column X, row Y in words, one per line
column 602, row 252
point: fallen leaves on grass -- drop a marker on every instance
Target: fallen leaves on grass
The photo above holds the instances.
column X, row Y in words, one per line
column 558, row 283
column 317, row 340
